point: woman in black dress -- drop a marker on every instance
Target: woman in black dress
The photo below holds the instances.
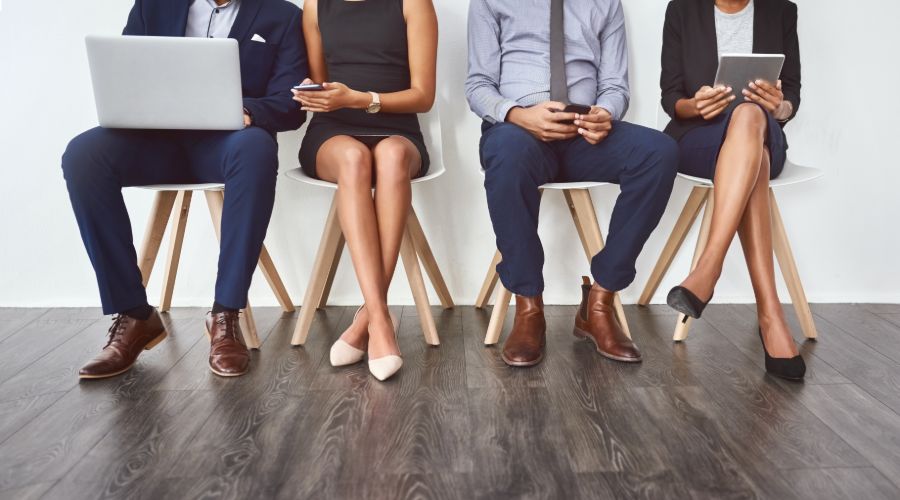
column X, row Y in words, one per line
column 735, row 138
column 377, row 61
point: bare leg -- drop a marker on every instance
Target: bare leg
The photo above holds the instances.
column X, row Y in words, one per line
column 348, row 162
column 737, row 172
column 755, row 231
column 397, row 161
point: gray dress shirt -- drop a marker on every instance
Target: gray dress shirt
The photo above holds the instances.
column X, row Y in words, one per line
column 509, row 55
column 208, row 20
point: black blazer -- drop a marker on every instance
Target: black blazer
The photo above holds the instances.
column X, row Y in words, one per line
column 690, row 51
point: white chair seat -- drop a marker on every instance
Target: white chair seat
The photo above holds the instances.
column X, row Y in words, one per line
column 298, row 174
column 792, row 174
column 212, row 186
column 562, row 186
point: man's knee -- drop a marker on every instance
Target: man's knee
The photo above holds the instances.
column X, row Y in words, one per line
column 82, row 155
column 663, row 156
column 253, row 156
column 512, row 156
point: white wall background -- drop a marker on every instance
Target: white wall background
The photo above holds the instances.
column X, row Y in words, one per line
column 844, row 227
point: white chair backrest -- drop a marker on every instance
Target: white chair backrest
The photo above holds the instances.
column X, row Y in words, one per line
column 662, row 118
column 430, row 123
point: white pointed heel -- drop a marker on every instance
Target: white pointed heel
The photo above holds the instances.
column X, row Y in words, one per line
column 385, row 367
column 344, row 354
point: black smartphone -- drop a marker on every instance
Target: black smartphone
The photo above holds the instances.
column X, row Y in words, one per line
column 309, row 87
column 575, row 108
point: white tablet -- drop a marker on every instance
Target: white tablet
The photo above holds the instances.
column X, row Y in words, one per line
column 738, row 70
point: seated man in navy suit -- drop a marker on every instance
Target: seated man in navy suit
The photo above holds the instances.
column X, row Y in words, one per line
column 99, row 162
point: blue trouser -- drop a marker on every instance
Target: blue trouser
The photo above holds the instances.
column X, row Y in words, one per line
column 641, row 160
column 100, row 162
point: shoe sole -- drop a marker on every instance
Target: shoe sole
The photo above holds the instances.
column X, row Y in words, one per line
column 150, row 345
column 583, row 335
column 522, row 364
column 222, row 374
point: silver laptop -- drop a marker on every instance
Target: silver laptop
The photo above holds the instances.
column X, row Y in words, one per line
column 166, row 82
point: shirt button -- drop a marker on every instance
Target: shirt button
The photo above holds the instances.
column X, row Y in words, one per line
column 217, row 11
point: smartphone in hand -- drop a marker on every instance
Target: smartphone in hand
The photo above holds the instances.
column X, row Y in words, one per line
column 575, row 108
column 309, row 87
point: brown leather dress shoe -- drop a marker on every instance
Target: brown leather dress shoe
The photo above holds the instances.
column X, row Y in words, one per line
column 228, row 355
column 596, row 320
column 526, row 341
column 128, row 337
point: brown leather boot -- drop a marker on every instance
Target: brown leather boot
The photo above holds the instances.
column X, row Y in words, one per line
column 128, row 337
column 525, row 344
column 228, row 355
column 596, row 320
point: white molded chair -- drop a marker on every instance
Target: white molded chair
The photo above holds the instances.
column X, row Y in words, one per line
column 179, row 196
column 581, row 206
column 414, row 247
column 702, row 194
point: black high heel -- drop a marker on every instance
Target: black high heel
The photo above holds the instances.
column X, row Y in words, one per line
column 787, row 368
column 684, row 301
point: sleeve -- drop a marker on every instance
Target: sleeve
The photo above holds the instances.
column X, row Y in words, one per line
column 277, row 111
column 612, row 74
column 483, row 80
column 135, row 24
column 790, row 74
column 671, row 80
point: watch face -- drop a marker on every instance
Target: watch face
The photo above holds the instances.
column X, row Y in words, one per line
column 374, row 107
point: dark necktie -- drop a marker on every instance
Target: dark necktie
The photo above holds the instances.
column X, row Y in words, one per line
column 559, row 87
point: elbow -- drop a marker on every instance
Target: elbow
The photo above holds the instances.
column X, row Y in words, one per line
column 424, row 102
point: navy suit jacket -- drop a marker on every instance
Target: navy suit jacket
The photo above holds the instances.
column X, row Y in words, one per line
column 268, row 70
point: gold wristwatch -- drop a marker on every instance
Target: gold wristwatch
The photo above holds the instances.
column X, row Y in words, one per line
column 375, row 106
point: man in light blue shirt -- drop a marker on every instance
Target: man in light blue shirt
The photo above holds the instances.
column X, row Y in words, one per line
column 529, row 140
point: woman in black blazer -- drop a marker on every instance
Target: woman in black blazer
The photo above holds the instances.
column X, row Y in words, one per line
column 735, row 138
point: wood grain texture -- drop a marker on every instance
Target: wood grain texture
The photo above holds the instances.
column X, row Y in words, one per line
column 870, row 329
column 698, row 419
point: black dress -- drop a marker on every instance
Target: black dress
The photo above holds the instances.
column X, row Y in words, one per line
column 365, row 48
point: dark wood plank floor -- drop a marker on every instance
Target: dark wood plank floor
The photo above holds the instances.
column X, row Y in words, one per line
column 696, row 420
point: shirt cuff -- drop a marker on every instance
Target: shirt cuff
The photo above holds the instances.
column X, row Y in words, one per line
column 501, row 109
column 611, row 105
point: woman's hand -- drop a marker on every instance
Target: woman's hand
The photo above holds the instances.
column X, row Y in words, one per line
column 709, row 102
column 770, row 97
column 335, row 96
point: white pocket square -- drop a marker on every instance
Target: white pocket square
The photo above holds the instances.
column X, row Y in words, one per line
column 257, row 38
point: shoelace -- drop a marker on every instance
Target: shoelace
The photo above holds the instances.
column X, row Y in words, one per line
column 117, row 328
column 229, row 321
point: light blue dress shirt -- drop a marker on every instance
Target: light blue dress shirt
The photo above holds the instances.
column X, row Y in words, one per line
column 208, row 20
column 509, row 55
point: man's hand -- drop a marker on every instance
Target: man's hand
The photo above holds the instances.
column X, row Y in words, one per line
column 711, row 101
column 770, row 97
column 545, row 121
column 247, row 120
column 595, row 126
column 335, row 96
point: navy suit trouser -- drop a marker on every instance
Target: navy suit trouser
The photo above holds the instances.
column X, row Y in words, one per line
column 642, row 161
column 100, row 162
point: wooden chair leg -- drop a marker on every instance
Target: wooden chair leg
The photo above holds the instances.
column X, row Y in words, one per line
column 215, row 200
column 683, row 326
column 329, row 282
column 490, row 281
column 426, row 256
column 417, row 285
column 498, row 316
column 685, row 221
column 274, row 279
column 248, row 327
column 156, row 229
column 581, row 207
column 332, row 240
column 176, row 238
column 789, row 270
